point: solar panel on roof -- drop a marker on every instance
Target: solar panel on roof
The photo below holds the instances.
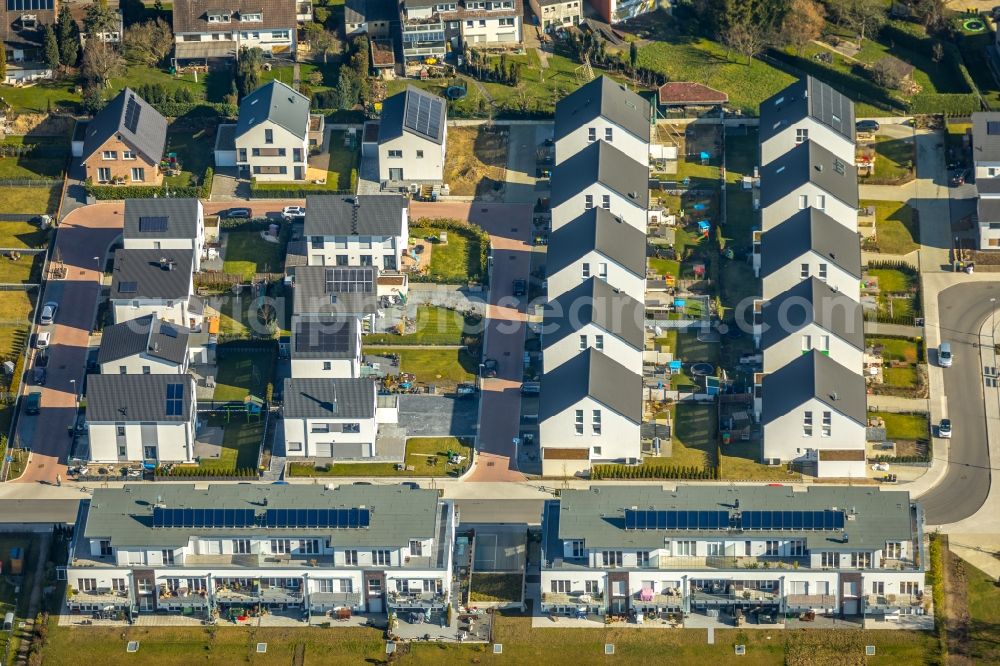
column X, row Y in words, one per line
column 168, row 331
column 132, row 111
column 153, row 224
column 423, row 115
column 334, row 337
column 349, row 280
column 128, row 287
column 175, row 399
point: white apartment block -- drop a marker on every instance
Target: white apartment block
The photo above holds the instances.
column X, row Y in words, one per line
column 809, row 175
column 555, row 14
column 704, row 553
column 165, row 224
column 175, row 549
column 807, row 109
column 149, row 418
column 357, row 230
column 602, row 110
column 325, row 347
column 986, row 157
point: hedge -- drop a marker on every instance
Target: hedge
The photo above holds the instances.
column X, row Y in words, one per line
column 901, row 320
column 200, row 472
column 599, row 472
column 935, row 578
column 264, row 191
column 116, row 192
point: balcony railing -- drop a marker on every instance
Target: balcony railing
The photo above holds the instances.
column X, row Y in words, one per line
column 571, row 598
column 418, row 600
column 728, row 593
column 105, row 596
column 730, row 562
column 892, row 601
column 811, row 600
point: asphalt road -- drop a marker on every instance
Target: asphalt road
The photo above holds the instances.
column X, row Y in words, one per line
column 965, row 486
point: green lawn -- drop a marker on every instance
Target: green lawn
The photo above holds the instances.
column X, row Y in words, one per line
column 894, row 159
column 741, row 461
column 237, row 319
column 242, row 373
column 893, row 281
column 664, row 267
column 16, row 307
column 904, row 426
column 895, row 229
column 248, row 253
column 194, row 147
column 241, row 441
column 742, row 152
column 30, row 200
column 457, row 261
column 983, row 596
column 342, row 170
column 18, row 235
column 693, row 437
column 26, row 269
column 689, row 349
column 44, row 163
column 435, row 326
column 495, row 587
column 180, row 646
column 428, row 456
column 896, row 350
column 900, row 377
column 442, row 367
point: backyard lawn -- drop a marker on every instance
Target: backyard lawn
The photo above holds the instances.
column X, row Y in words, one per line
column 31, row 200
column 428, row 456
column 180, row 646
column 241, row 441
column 341, row 174
column 897, row 291
column 194, row 146
column 900, row 377
column 904, row 426
column 248, row 253
column 16, row 308
column 442, row 367
column 47, row 161
column 896, row 350
column 435, row 326
column 687, row 348
column 26, row 269
column 740, row 461
column 21, row 235
column 242, row 373
column 455, row 262
column 894, row 159
column 496, row 587
column 896, row 231
column 693, row 437
column 983, row 596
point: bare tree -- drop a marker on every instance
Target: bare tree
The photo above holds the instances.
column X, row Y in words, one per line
column 747, row 39
column 321, row 41
column 803, row 23
column 148, row 43
column 101, row 62
column 864, row 17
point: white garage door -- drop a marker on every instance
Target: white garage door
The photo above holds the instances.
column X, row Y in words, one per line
column 850, row 607
column 375, row 604
column 324, row 450
column 225, row 158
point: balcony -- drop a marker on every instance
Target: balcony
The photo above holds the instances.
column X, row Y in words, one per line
column 731, row 562
column 571, row 598
column 331, row 599
column 811, row 601
column 728, row 593
column 257, row 561
column 890, row 602
column 670, row 596
column 421, row 600
column 103, row 596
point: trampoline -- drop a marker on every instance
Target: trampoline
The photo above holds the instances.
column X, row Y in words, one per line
column 702, row 369
column 974, row 25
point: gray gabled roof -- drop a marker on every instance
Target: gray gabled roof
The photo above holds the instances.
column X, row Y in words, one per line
column 810, row 230
column 131, row 117
column 354, row 215
column 603, row 97
column 812, row 301
column 595, row 302
column 398, row 513
column 988, row 185
column 809, row 162
column 814, row 375
column 597, row 230
column 366, row 11
column 325, row 336
column 277, row 102
column 181, row 218
column 328, row 398
column 601, row 162
column 807, row 98
column 416, row 112
column 986, row 136
column 312, row 297
column 149, row 335
column 988, row 210
column 591, row 374
column 136, row 398
column 145, row 274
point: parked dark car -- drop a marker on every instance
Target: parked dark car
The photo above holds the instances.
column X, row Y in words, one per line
column 33, row 403
column 867, row 126
column 489, row 368
column 238, row 213
column 38, row 376
column 520, row 288
column 959, row 178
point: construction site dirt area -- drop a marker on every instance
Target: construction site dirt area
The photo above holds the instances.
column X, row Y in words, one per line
column 476, row 162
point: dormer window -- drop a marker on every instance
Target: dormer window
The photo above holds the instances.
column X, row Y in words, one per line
column 220, row 18
column 251, row 18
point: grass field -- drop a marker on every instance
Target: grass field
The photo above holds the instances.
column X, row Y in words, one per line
column 895, row 229
column 983, row 596
column 442, row 367
column 194, row 151
column 435, row 326
column 894, row 159
column 26, row 269
column 21, row 235
column 739, row 461
column 475, row 162
column 240, row 443
column 30, row 200
column 16, row 307
column 904, row 426
column 247, row 253
column 242, row 373
column 427, row 455
column 693, row 438
column 893, row 281
column 181, row 646
column 495, row 587
column 896, row 350
column 43, row 164
column 900, row 377
column 455, row 262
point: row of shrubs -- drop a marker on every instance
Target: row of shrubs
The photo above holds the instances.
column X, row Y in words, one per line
column 882, row 318
column 201, row 472
column 900, row 266
column 282, row 191
column 115, row 192
column 599, row 472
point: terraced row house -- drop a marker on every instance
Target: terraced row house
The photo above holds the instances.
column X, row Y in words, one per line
column 292, row 550
column 810, row 398
column 591, row 390
column 700, row 555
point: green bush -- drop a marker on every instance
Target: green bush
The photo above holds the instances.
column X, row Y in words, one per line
column 651, row 471
column 282, row 191
column 468, row 230
column 115, row 192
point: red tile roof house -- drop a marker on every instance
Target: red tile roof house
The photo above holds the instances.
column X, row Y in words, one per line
column 680, row 94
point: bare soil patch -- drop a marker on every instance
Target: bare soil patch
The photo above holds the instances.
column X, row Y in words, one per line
column 476, row 162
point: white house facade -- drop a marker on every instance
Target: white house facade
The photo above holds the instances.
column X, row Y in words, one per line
column 602, row 176
column 326, row 347
column 272, row 134
column 807, row 109
column 175, row 549
column 357, row 230
column 165, row 224
column 204, row 31
column 602, row 110
column 155, row 282
column 809, row 176
column 986, row 158
column 412, row 138
column 143, row 346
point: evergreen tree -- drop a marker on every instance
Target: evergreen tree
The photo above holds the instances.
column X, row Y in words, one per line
column 347, row 90
column 68, row 36
column 51, row 48
column 3, row 62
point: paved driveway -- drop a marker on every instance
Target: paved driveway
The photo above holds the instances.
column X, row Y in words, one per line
column 438, row 416
column 509, row 226
column 84, row 233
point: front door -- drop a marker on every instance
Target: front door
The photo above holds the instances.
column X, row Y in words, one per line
column 395, row 174
column 149, row 452
column 299, row 173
